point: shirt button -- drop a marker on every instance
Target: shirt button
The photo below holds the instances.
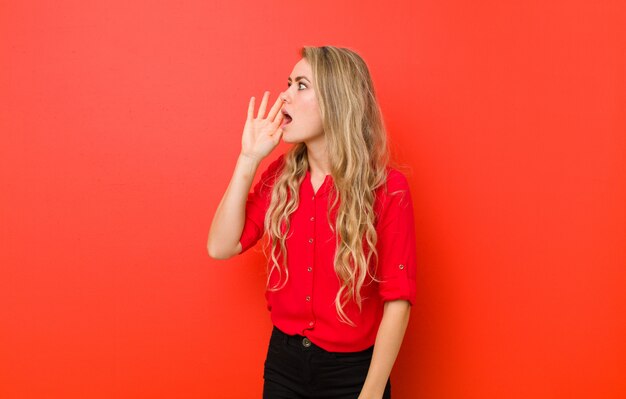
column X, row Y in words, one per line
column 308, row 298
column 312, row 218
column 310, row 240
column 313, row 198
column 309, row 269
column 311, row 324
column 401, row 267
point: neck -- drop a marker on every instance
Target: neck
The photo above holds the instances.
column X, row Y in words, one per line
column 317, row 155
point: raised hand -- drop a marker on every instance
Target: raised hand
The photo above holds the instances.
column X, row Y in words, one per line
column 261, row 134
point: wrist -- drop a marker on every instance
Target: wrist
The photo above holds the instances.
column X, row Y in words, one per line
column 248, row 159
column 372, row 391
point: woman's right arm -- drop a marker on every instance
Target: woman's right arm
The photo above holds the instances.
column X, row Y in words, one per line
column 260, row 136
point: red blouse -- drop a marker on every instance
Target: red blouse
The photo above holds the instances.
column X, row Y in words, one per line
column 306, row 304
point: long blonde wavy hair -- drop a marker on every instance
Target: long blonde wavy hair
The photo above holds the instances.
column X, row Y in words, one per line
column 358, row 154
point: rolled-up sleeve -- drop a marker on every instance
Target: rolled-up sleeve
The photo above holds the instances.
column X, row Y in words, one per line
column 257, row 204
column 397, row 263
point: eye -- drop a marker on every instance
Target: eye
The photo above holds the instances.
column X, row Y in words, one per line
column 301, row 86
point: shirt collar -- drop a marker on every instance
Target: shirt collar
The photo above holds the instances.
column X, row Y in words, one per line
column 323, row 189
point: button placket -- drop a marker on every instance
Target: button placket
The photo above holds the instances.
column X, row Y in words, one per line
column 311, row 261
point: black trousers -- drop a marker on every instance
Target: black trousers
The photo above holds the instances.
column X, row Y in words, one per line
column 295, row 368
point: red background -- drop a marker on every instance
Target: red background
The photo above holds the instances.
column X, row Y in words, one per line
column 120, row 126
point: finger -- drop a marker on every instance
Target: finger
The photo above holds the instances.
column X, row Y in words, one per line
column 279, row 118
column 276, row 136
column 251, row 108
column 275, row 109
column 261, row 113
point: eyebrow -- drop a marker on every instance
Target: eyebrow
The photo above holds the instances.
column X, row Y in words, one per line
column 299, row 78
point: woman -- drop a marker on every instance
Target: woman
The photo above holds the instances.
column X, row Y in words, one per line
column 339, row 221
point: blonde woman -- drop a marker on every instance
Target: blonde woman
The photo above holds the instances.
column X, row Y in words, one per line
column 339, row 223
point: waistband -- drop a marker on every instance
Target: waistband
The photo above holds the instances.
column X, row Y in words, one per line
column 305, row 343
column 299, row 341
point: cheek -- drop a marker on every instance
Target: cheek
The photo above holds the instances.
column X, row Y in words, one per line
column 313, row 113
column 313, row 122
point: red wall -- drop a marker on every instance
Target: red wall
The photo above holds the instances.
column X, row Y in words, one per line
column 120, row 125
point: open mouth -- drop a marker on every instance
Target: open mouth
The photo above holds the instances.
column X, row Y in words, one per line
column 287, row 119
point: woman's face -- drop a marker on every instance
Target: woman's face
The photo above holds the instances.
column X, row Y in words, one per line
column 304, row 123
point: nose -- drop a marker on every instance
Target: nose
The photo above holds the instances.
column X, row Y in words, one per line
column 283, row 96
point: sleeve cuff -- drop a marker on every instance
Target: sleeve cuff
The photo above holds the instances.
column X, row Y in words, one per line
column 398, row 288
column 250, row 235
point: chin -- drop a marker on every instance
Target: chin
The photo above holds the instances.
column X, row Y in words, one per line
column 295, row 137
column 287, row 138
column 291, row 141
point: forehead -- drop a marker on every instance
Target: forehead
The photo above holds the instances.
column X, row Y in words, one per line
column 302, row 68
